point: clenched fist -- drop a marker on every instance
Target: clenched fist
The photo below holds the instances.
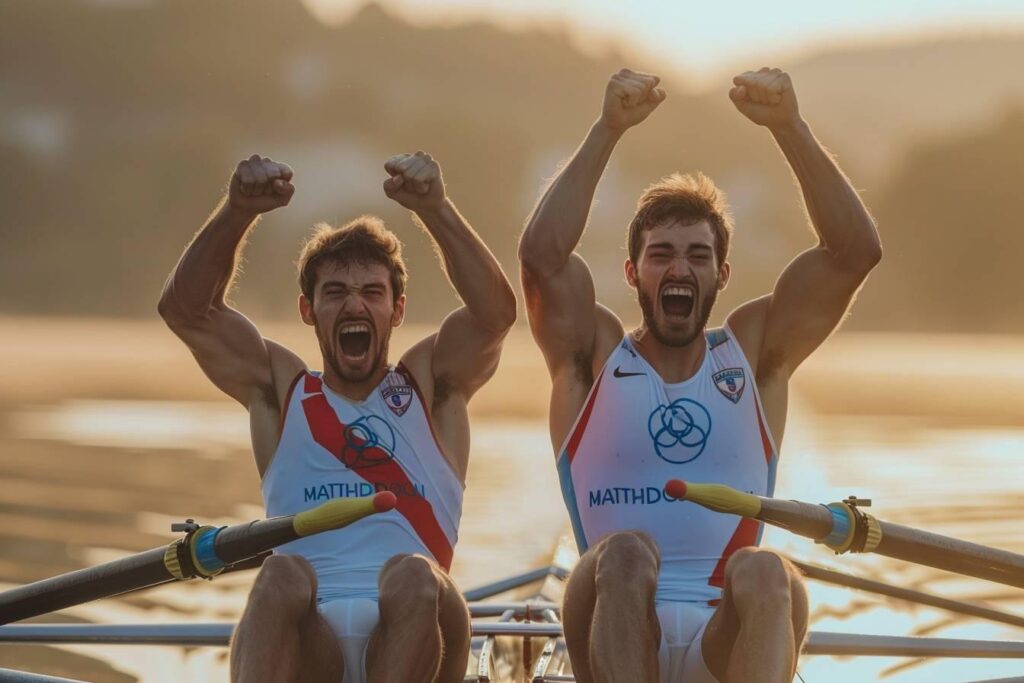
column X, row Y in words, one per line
column 259, row 185
column 630, row 98
column 415, row 181
column 766, row 97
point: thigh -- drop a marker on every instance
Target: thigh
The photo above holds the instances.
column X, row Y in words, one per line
column 412, row 577
column 724, row 626
column 320, row 652
column 578, row 612
column 456, row 629
column 719, row 636
column 580, row 595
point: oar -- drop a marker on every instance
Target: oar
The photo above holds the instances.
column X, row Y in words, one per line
column 203, row 552
column 981, row 611
column 843, row 527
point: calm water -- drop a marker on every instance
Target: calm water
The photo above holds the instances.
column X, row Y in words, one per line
column 121, row 451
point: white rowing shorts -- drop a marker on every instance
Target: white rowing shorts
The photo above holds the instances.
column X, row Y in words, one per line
column 352, row 622
column 682, row 632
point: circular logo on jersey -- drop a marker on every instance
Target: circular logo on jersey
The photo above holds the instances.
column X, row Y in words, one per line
column 369, row 441
column 679, row 430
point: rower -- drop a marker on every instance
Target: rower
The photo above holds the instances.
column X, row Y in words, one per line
column 374, row 599
column 666, row 590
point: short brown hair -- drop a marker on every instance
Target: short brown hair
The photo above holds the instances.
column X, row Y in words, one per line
column 364, row 240
column 689, row 199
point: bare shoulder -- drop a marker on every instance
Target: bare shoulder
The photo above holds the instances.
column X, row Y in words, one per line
column 572, row 381
column 418, row 361
column 747, row 323
column 608, row 333
column 445, row 405
column 268, row 407
column 285, row 367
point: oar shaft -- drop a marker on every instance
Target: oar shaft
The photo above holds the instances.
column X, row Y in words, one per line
column 843, row 527
column 951, row 554
column 84, row 585
column 203, row 553
column 917, row 597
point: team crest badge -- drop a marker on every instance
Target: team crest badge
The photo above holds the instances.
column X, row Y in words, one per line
column 397, row 393
column 730, row 382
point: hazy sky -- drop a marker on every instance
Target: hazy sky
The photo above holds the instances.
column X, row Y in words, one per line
column 714, row 34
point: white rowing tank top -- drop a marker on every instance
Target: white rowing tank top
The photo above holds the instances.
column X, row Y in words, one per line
column 636, row 432
column 333, row 447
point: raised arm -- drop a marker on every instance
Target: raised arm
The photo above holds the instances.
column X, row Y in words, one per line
column 465, row 351
column 227, row 345
column 559, row 288
column 815, row 290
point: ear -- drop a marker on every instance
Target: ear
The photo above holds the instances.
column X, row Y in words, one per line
column 723, row 276
column 398, row 316
column 630, row 270
column 306, row 310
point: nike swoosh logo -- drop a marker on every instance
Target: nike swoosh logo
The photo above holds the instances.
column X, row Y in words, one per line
column 619, row 373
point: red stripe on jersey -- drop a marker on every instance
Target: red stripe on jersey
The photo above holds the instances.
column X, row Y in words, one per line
column 765, row 441
column 287, row 403
column 382, row 472
column 744, row 536
column 581, row 426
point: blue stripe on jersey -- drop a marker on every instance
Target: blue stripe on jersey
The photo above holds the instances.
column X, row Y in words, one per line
column 569, row 495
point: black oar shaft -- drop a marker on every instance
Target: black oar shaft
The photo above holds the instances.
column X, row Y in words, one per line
column 204, row 552
column 77, row 587
column 951, row 554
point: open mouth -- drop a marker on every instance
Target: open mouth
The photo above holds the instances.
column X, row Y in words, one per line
column 355, row 340
column 677, row 300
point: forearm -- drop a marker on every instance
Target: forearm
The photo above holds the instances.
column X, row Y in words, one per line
column 557, row 224
column 842, row 222
column 471, row 267
column 206, row 270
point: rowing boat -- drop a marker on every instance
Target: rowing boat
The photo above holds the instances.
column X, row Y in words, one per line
column 517, row 632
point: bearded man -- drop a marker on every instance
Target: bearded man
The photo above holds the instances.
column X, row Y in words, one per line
column 373, row 600
column 665, row 589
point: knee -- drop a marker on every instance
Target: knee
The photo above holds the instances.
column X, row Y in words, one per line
column 627, row 558
column 286, row 584
column 409, row 581
column 760, row 579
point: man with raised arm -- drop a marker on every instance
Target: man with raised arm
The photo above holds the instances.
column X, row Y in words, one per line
column 664, row 586
column 373, row 601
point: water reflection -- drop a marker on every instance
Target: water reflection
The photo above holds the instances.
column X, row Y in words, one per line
column 92, row 470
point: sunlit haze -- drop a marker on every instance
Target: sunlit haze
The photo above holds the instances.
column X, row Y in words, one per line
column 713, row 35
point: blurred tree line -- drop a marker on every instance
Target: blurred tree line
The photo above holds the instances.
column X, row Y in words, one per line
column 120, row 124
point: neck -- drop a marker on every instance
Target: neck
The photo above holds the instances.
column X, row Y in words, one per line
column 672, row 363
column 355, row 391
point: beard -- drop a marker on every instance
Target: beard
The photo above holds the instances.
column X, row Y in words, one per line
column 330, row 349
column 694, row 325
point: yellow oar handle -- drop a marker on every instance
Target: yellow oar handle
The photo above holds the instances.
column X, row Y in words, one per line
column 341, row 512
column 717, row 497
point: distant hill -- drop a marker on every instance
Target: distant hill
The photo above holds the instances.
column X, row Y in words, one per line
column 953, row 218
column 120, row 123
column 119, row 126
column 872, row 102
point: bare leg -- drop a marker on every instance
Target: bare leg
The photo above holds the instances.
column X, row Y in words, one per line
column 758, row 629
column 611, row 628
column 281, row 636
column 424, row 628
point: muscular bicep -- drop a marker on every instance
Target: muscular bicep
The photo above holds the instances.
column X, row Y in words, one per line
column 808, row 303
column 232, row 353
column 464, row 354
column 563, row 312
